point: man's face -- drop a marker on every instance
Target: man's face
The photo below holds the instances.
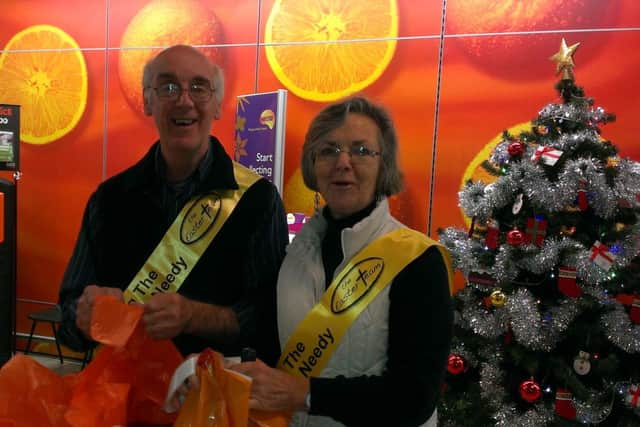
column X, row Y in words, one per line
column 183, row 124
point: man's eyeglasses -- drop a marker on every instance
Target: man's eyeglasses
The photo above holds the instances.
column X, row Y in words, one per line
column 198, row 92
column 357, row 153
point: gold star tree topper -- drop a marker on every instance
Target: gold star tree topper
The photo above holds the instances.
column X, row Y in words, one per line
column 564, row 59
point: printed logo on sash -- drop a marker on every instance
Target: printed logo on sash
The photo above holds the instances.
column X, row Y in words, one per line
column 200, row 217
column 311, row 345
column 188, row 237
column 356, row 283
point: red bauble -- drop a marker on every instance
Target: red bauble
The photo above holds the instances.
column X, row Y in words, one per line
column 456, row 364
column 530, row 391
column 515, row 237
column 516, row 149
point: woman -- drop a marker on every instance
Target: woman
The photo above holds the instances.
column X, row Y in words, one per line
column 384, row 365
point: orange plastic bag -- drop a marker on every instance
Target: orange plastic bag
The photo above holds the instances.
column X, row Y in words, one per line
column 31, row 395
column 131, row 373
column 222, row 400
column 124, row 384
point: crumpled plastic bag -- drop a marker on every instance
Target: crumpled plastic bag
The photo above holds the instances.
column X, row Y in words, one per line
column 124, row 384
column 31, row 395
column 222, row 400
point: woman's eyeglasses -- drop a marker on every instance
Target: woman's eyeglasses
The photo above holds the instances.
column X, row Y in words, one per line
column 357, row 153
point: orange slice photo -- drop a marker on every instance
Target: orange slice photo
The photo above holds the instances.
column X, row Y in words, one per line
column 42, row 69
column 326, row 50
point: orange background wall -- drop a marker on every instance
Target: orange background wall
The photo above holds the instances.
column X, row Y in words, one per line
column 459, row 75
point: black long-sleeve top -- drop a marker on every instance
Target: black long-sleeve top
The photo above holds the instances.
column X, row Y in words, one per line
column 420, row 329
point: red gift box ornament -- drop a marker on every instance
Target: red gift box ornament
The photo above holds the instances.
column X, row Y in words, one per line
column 547, row 155
column 564, row 404
column 536, row 230
column 634, row 313
column 481, row 277
column 492, row 235
column 601, row 256
column 633, row 301
column 633, row 396
column 567, row 282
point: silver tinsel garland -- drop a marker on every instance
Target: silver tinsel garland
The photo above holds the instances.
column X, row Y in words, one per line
column 475, row 317
column 596, row 408
column 467, row 355
column 627, row 183
column 506, row 415
column 620, row 331
column 540, row 415
column 533, row 329
column 547, row 194
column 575, row 112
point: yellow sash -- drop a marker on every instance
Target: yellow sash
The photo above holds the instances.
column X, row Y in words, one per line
column 316, row 337
column 186, row 240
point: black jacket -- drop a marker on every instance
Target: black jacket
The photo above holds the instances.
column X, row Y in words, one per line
column 128, row 214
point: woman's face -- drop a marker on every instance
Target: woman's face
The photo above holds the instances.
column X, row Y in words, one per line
column 347, row 165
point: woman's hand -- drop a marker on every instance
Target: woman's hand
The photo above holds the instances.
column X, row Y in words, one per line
column 274, row 390
column 176, row 401
column 184, row 380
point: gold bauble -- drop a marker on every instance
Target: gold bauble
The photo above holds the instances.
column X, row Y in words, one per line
column 498, row 298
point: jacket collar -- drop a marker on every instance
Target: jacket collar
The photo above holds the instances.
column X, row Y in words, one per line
column 215, row 173
column 309, row 238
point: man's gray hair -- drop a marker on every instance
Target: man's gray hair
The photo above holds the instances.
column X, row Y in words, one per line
column 217, row 82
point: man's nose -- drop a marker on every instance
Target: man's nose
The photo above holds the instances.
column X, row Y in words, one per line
column 184, row 97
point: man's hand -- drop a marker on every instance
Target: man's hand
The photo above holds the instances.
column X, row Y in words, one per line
column 167, row 315
column 85, row 305
column 274, row 390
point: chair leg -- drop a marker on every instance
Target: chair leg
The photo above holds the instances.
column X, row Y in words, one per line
column 55, row 336
column 88, row 355
column 33, row 328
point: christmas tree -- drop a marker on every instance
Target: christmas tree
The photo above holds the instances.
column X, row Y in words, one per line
column 547, row 328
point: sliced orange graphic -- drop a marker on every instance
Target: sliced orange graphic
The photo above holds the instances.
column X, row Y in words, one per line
column 297, row 197
column 326, row 50
column 43, row 70
column 160, row 24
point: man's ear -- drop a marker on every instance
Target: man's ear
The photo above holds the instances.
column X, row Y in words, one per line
column 146, row 103
column 217, row 114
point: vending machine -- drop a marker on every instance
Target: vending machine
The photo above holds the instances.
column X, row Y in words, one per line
column 9, row 156
column 7, row 269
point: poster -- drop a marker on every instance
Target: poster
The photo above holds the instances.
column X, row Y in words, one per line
column 259, row 134
column 9, row 136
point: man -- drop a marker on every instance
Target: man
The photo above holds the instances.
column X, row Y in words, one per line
column 126, row 231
